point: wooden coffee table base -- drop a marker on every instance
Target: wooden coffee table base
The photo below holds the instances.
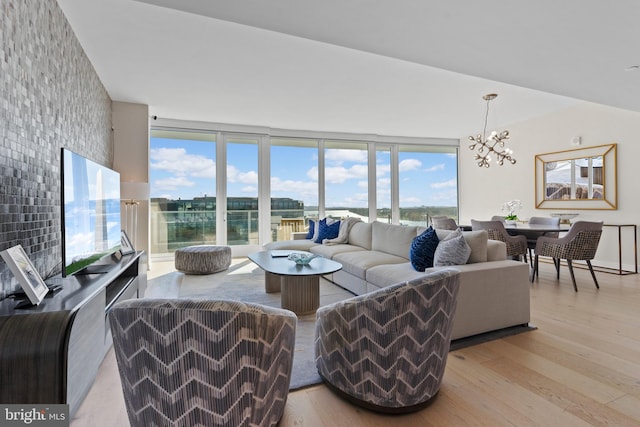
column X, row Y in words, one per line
column 300, row 294
column 272, row 282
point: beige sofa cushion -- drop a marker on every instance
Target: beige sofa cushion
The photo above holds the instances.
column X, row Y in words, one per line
column 329, row 251
column 296, row 245
column 477, row 241
column 357, row 263
column 392, row 239
column 360, row 235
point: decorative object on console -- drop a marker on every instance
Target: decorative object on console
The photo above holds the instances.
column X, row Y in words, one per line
column 565, row 218
column 487, row 146
column 132, row 193
column 20, row 265
column 125, row 244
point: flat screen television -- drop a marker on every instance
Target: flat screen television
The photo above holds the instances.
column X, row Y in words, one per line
column 90, row 214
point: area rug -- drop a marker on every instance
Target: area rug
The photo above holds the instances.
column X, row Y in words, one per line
column 244, row 281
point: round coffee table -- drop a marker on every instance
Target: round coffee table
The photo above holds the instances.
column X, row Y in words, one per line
column 299, row 285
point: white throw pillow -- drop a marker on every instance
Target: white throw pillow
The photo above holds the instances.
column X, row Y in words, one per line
column 452, row 250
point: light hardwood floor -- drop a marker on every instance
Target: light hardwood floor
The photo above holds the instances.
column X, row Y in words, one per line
column 581, row 367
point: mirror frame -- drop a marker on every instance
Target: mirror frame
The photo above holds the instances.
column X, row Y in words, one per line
column 610, row 178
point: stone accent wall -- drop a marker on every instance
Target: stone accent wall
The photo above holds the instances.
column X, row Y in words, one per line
column 50, row 97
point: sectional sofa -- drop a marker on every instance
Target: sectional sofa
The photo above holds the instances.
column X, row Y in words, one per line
column 494, row 291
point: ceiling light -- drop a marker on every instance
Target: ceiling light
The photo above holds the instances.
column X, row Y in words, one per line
column 494, row 144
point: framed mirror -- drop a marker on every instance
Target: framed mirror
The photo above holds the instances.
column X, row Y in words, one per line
column 585, row 178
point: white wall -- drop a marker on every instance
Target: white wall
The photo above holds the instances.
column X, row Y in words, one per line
column 483, row 191
column 131, row 158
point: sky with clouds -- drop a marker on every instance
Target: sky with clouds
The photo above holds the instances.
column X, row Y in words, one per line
column 186, row 169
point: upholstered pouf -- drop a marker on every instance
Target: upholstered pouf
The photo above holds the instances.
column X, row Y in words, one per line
column 203, row 259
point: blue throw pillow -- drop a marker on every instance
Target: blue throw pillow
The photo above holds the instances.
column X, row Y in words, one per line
column 423, row 249
column 312, row 229
column 327, row 231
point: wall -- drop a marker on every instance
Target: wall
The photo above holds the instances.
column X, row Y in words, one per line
column 50, row 97
column 483, row 191
column 131, row 159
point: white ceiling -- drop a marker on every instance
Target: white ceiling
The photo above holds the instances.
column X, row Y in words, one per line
column 408, row 67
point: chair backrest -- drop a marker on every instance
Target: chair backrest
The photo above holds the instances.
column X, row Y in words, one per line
column 545, row 220
column 379, row 333
column 498, row 218
column 495, row 229
column 580, row 242
column 203, row 362
column 444, row 223
column 516, row 245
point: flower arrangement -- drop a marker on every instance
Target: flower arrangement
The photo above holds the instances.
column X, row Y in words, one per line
column 511, row 207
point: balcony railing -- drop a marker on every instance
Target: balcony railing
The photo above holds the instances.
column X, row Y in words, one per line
column 171, row 230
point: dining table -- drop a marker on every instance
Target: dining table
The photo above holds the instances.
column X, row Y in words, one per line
column 535, row 229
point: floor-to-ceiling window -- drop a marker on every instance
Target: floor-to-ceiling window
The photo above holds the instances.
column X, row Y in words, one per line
column 428, row 183
column 383, row 184
column 242, row 189
column 294, row 185
column 346, row 179
column 182, row 168
column 245, row 188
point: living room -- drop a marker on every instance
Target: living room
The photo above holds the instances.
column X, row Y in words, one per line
column 52, row 96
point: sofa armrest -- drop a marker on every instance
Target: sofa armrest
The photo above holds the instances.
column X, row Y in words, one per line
column 496, row 250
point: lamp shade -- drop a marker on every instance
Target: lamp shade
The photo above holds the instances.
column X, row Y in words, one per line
column 134, row 190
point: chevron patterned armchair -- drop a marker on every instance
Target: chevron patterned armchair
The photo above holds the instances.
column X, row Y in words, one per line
column 203, row 362
column 387, row 350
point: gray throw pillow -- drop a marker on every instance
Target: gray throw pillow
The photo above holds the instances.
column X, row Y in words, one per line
column 452, row 250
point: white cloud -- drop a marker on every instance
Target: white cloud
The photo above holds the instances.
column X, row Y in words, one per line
column 339, row 156
column 178, row 162
column 409, row 164
column 340, row 174
column 445, row 184
column 234, row 175
column 172, row 183
column 384, row 183
column 382, row 170
column 434, row 168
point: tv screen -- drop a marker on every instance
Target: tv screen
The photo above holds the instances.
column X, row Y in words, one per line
column 90, row 213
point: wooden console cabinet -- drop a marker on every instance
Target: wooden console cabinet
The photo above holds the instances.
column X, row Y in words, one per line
column 51, row 353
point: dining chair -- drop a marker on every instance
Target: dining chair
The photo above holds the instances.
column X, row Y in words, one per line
column 579, row 244
column 498, row 218
column 516, row 245
column 203, row 362
column 444, row 223
column 532, row 236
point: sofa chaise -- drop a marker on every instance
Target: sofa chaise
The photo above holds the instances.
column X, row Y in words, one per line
column 494, row 290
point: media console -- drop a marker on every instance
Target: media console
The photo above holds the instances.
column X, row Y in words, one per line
column 51, row 353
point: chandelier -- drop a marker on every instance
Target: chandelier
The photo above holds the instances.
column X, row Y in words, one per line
column 494, row 144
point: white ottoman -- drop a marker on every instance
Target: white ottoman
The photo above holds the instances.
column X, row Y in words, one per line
column 202, row 259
